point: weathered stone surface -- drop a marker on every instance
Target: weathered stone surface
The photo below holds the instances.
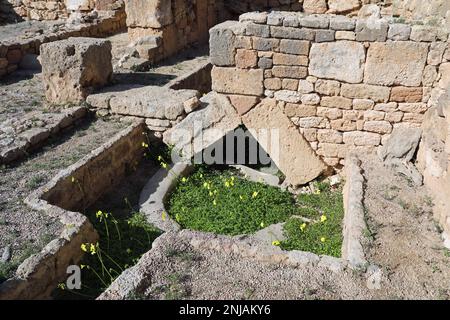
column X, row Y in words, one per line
column 336, row 102
column 406, row 94
column 371, row 30
column 291, row 153
column 396, row 63
column 325, row 36
column 378, row 126
column 371, row 115
column 315, row 21
column 205, row 126
column 341, row 60
column 151, row 102
column 290, row 72
column 399, row 149
column 399, row 32
column 423, row 33
column 243, row 104
column 300, row 47
column 329, row 136
column 292, row 33
column 345, row 35
column 289, row 59
column 360, row 138
column 413, row 107
column 328, row 87
column 288, row 96
column 299, row 110
column 342, row 23
column 315, row 6
column 343, row 6
column 238, row 81
column 363, row 91
column 148, row 13
column 222, row 44
column 246, row 58
column 363, row 104
column 257, row 30
column 72, row 68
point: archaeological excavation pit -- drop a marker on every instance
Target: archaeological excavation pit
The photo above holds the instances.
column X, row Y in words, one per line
column 342, row 109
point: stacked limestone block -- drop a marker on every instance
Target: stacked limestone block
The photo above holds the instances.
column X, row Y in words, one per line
column 34, row 10
column 72, row 68
column 343, row 82
column 177, row 22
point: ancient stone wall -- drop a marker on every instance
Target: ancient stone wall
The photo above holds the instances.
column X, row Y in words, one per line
column 177, row 22
column 13, row 51
column 16, row 10
column 343, row 82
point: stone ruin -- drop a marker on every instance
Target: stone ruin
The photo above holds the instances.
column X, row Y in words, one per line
column 334, row 77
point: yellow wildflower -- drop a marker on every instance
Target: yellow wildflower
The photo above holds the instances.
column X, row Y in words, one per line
column 317, row 191
column 93, row 249
column 163, row 216
column 227, row 184
column 99, row 214
column 276, row 243
column 177, row 217
column 323, row 239
column 303, row 226
column 61, row 286
column 323, row 218
column 144, row 145
column 211, row 194
column 159, row 158
column 164, row 165
column 73, row 179
column 183, row 179
column 255, row 194
column 205, row 184
column 214, row 202
column 262, row 224
column 83, row 266
column 83, row 247
column 241, row 197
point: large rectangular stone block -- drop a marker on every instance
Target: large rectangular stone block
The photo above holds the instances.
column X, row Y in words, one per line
column 148, row 13
column 238, row 81
column 285, row 145
column 396, row 63
column 342, row 60
column 72, row 68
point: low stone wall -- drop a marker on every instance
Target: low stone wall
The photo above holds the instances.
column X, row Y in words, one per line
column 80, row 185
column 344, row 82
column 13, row 50
column 63, row 198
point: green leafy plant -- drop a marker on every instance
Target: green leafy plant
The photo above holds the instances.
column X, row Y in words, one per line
column 223, row 202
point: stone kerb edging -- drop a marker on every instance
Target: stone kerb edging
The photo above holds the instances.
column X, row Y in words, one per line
column 38, row 275
column 156, row 192
column 245, row 246
column 37, row 136
column 354, row 222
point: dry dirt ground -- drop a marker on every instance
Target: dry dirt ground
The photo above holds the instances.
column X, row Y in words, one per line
column 161, row 73
column 402, row 240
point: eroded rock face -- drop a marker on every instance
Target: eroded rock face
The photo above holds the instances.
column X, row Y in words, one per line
column 72, row 68
column 148, row 13
column 291, row 153
column 343, row 60
column 396, row 63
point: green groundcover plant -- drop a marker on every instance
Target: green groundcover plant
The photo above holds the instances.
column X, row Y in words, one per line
column 223, row 202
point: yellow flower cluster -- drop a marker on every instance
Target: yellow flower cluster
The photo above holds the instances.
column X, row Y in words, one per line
column 89, row 247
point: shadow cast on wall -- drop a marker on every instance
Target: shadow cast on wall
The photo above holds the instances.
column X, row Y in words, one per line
column 7, row 13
